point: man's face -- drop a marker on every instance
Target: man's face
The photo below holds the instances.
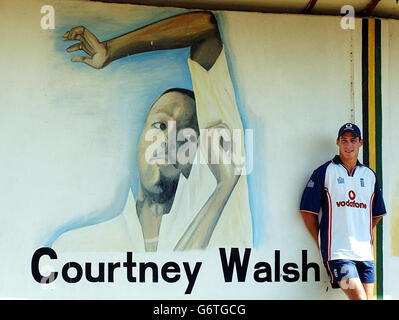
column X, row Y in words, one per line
column 170, row 109
column 349, row 146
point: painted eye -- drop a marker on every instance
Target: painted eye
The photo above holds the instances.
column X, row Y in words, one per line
column 160, row 125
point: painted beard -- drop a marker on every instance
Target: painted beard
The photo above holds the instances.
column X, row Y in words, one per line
column 163, row 191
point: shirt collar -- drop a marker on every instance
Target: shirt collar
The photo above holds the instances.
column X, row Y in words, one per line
column 337, row 160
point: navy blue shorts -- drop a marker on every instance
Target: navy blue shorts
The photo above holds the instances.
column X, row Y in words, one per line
column 343, row 269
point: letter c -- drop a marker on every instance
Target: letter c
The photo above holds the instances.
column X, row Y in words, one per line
column 35, row 265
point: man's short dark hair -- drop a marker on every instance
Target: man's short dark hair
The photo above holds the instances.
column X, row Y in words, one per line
column 186, row 92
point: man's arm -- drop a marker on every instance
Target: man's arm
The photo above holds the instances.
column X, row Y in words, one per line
column 197, row 30
column 199, row 232
column 312, row 225
column 376, row 220
column 379, row 209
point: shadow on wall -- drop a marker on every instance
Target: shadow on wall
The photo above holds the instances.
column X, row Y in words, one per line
column 395, row 221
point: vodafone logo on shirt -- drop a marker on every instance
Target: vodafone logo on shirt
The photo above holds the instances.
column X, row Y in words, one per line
column 351, row 202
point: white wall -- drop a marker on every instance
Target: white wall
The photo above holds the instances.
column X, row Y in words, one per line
column 391, row 158
column 302, row 98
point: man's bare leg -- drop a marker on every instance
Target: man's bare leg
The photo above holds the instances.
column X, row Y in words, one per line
column 369, row 289
column 353, row 288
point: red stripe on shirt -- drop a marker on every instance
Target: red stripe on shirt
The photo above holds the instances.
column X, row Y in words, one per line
column 329, row 233
column 307, row 211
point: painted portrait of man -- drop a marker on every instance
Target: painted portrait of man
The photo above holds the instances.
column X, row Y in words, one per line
column 180, row 205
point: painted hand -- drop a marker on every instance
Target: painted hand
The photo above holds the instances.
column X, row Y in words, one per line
column 88, row 42
column 219, row 151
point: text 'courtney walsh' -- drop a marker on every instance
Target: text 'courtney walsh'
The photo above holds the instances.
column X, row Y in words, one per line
column 236, row 263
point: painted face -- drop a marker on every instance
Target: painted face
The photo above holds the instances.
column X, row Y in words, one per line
column 171, row 112
column 349, row 145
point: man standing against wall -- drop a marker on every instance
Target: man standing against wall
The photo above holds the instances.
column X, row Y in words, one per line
column 351, row 200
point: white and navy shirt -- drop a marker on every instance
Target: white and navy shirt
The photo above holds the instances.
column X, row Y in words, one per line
column 349, row 200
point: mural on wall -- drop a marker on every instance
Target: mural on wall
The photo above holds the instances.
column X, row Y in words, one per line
column 192, row 190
